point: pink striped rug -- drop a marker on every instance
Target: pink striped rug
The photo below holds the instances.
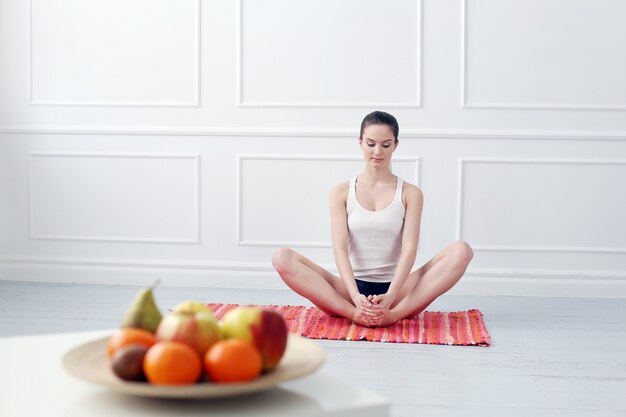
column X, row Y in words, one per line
column 465, row 328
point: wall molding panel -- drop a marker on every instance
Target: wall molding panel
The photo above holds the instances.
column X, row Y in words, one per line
column 519, row 104
column 557, row 162
column 89, row 70
column 330, row 103
column 52, row 190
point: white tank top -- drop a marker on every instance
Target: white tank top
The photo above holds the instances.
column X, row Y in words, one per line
column 375, row 237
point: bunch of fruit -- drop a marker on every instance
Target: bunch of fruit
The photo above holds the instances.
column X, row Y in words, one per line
column 190, row 345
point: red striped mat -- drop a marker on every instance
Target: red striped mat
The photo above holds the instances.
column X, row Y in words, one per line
column 441, row 328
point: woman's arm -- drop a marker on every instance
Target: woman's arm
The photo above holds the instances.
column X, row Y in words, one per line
column 340, row 238
column 414, row 202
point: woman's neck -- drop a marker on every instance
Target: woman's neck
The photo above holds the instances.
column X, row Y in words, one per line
column 376, row 176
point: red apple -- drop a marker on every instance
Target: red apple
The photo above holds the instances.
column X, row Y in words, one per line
column 192, row 323
column 265, row 329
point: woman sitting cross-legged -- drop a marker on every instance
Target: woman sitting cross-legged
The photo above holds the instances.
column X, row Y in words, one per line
column 375, row 223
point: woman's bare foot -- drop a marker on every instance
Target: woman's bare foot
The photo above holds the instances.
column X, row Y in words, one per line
column 361, row 321
column 388, row 318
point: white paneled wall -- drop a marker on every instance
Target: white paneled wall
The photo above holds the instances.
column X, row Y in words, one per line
column 187, row 140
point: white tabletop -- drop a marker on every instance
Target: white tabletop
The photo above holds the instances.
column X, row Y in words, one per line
column 34, row 383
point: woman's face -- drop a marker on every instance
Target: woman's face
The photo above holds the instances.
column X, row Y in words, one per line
column 378, row 144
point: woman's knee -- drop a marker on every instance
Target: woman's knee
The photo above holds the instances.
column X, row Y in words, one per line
column 282, row 259
column 462, row 253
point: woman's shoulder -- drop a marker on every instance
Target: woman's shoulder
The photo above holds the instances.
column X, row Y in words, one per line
column 340, row 188
column 340, row 191
column 411, row 192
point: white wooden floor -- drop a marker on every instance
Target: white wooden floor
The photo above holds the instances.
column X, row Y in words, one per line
column 549, row 356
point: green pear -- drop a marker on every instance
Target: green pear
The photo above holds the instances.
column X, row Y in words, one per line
column 143, row 312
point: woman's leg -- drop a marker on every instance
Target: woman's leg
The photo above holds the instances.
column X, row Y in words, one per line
column 430, row 281
column 325, row 290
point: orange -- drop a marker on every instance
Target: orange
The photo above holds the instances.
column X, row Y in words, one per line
column 232, row 360
column 172, row 363
column 128, row 336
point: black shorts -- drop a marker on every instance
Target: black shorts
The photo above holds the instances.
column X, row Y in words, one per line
column 372, row 288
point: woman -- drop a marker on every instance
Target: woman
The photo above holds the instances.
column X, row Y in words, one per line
column 375, row 222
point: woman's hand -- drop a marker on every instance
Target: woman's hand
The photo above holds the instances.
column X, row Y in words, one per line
column 366, row 314
column 382, row 305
